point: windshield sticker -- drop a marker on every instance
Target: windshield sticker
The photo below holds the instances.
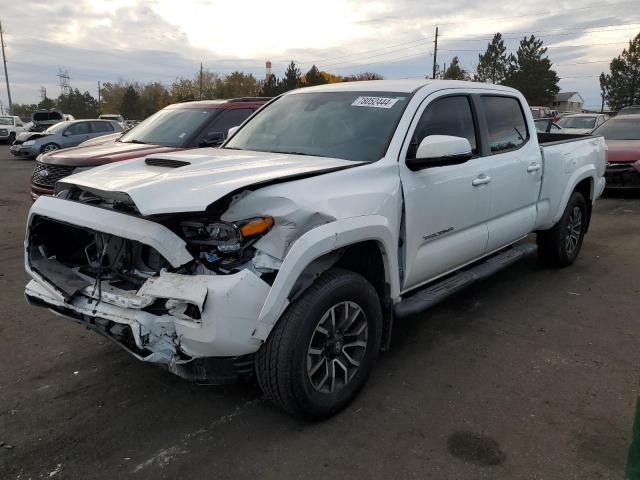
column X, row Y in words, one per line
column 374, row 102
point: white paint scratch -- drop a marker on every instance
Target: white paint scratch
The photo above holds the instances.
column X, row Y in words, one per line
column 55, row 470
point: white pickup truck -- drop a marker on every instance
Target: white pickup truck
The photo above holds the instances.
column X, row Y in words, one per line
column 10, row 126
column 287, row 253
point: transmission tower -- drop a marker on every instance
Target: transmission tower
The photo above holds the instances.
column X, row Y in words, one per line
column 43, row 92
column 65, row 87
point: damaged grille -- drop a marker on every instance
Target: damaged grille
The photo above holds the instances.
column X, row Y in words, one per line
column 162, row 162
column 47, row 175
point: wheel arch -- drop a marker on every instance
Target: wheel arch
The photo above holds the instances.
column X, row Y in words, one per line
column 366, row 245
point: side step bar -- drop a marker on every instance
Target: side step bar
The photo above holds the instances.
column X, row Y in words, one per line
column 437, row 292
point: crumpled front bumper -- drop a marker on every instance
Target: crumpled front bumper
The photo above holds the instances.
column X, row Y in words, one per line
column 229, row 305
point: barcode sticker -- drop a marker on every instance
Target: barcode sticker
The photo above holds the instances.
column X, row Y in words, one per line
column 374, row 102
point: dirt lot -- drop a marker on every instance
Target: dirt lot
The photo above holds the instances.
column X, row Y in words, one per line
column 530, row 375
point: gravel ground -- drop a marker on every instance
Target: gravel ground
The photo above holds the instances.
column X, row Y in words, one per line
column 531, row 374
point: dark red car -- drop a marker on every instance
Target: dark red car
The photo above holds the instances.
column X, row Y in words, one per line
column 622, row 134
column 176, row 127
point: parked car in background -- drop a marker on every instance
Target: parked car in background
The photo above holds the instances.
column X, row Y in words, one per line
column 622, row 134
column 289, row 251
column 583, row 123
column 176, row 127
column 10, row 127
column 62, row 135
column 44, row 118
column 540, row 112
column 110, row 116
column 547, row 125
column 630, row 110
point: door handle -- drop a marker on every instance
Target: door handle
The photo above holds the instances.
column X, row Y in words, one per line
column 481, row 180
column 534, row 167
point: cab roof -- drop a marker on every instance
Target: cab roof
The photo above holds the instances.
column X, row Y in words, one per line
column 404, row 86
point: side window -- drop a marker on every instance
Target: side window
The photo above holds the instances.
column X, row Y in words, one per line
column 506, row 123
column 81, row 128
column 230, row 118
column 446, row 116
column 101, row 127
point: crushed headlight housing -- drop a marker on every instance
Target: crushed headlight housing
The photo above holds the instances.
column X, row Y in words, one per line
column 225, row 237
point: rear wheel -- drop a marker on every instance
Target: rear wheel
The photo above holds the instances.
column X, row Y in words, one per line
column 560, row 246
column 320, row 353
column 49, row 147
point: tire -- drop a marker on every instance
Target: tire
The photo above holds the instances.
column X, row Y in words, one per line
column 560, row 246
column 49, row 147
column 286, row 366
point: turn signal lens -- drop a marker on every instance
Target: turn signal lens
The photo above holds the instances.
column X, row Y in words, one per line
column 256, row 226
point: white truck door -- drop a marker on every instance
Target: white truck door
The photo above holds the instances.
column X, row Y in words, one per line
column 446, row 208
column 516, row 169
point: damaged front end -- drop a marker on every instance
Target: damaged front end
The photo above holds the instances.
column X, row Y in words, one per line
column 181, row 291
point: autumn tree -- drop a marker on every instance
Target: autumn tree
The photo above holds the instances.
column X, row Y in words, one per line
column 622, row 84
column 531, row 73
column 454, row 71
column 493, row 64
column 362, row 76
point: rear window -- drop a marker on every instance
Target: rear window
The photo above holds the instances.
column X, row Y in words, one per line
column 506, row 123
column 100, row 127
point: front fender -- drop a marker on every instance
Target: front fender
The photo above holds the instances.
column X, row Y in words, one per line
column 320, row 241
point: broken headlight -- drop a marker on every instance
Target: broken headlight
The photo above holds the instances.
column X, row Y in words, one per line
column 223, row 236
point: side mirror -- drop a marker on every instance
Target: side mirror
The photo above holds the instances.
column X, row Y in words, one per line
column 213, row 139
column 232, row 130
column 440, row 151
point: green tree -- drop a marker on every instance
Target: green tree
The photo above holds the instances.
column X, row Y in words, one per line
column 111, row 96
column 80, row 105
column 154, row 96
column 493, row 64
column 22, row 109
column 623, row 82
column 604, row 87
column 47, row 103
column 270, row 87
column 314, row 77
column 455, row 71
column 130, row 107
column 531, row 73
column 291, row 78
column 237, row 84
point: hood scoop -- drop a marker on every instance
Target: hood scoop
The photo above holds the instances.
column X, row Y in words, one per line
column 165, row 162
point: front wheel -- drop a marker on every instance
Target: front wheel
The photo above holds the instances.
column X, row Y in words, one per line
column 321, row 352
column 49, row 147
column 560, row 246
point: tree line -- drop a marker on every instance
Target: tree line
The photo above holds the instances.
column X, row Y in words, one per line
column 529, row 70
column 137, row 100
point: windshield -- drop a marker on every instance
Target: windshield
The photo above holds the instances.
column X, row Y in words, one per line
column 619, row 129
column 577, row 122
column 347, row 125
column 6, row 121
column 170, row 127
column 58, row 127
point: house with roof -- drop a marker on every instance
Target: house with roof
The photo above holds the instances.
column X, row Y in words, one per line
column 568, row 102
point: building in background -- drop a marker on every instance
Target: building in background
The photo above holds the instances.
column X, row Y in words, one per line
column 568, row 102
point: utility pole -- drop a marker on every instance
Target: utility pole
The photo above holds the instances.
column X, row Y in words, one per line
column 200, row 80
column 435, row 55
column 99, row 105
column 6, row 75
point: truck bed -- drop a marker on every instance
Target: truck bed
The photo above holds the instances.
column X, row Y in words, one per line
column 555, row 138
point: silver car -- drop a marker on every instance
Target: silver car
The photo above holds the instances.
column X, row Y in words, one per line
column 62, row 135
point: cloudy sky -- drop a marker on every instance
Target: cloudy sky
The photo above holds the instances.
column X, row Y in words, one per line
column 159, row 40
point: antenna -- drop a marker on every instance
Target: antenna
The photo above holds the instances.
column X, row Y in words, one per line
column 65, row 87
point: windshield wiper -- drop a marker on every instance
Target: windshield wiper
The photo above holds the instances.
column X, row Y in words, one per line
column 298, row 153
column 136, row 141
